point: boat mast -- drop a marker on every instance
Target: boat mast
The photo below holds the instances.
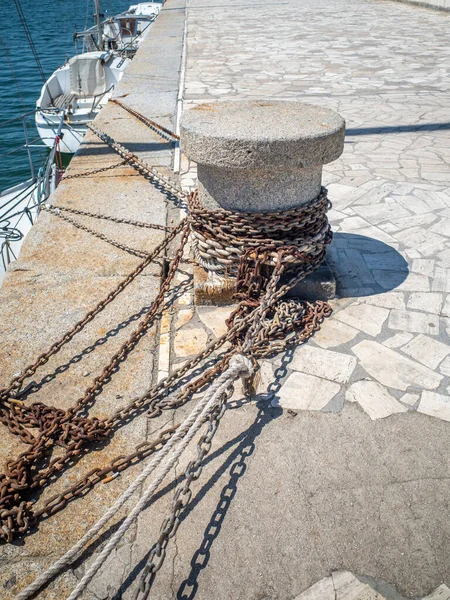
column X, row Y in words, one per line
column 99, row 16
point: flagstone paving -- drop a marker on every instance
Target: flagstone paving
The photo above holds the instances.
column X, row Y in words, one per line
column 385, row 68
column 390, row 189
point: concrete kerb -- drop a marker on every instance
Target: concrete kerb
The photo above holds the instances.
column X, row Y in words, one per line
column 260, row 156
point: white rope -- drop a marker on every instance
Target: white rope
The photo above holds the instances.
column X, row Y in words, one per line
column 239, row 366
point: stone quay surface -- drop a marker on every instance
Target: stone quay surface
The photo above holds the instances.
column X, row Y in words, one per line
column 260, row 156
column 333, row 482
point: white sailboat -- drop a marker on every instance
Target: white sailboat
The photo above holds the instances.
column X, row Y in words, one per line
column 79, row 89
column 123, row 32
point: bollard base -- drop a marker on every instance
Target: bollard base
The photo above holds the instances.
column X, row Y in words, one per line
column 320, row 285
column 212, row 291
column 208, row 291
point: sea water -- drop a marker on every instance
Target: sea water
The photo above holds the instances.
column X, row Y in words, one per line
column 52, row 24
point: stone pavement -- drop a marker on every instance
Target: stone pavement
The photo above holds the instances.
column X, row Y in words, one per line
column 390, row 190
column 333, row 483
column 343, row 478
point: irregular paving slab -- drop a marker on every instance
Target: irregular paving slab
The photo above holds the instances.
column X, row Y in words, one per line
column 322, row 363
column 305, row 392
column 410, row 399
column 441, row 593
column 189, row 341
column 415, row 322
column 214, row 318
column 348, row 587
column 343, row 585
column 392, row 369
column 435, row 405
column 334, row 334
column 366, row 318
column 322, row 590
column 386, row 300
column 399, row 339
column 374, row 399
column 428, row 302
column 428, row 351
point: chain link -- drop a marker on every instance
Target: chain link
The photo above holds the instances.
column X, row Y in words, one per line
column 156, row 127
column 101, row 236
column 143, row 168
column 181, row 499
column 94, row 172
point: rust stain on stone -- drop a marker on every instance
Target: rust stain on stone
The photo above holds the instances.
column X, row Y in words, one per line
column 206, row 108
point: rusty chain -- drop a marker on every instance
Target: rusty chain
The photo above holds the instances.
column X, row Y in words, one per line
column 6, row 394
column 86, row 213
column 73, row 432
column 134, row 251
column 58, row 211
column 65, row 428
column 155, row 176
column 221, row 236
column 65, row 177
column 156, row 127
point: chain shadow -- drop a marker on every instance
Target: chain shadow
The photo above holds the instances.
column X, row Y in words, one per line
column 97, row 445
column 236, row 465
column 245, row 446
column 244, row 449
column 34, row 386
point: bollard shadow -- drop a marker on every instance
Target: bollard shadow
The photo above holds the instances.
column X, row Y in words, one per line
column 383, row 129
column 364, row 266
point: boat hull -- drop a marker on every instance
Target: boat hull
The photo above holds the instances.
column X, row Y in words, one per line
column 76, row 92
column 16, row 221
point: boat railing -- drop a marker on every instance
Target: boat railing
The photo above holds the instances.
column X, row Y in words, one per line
column 24, row 200
column 27, row 145
column 89, row 41
column 98, row 98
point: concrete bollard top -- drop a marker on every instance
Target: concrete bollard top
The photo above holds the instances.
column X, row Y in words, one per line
column 259, row 133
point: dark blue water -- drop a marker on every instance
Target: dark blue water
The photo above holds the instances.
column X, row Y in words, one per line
column 51, row 24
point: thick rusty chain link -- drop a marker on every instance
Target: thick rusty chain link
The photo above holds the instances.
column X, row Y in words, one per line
column 122, row 163
column 220, row 237
column 65, row 428
column 156, row 127
column 73, row 432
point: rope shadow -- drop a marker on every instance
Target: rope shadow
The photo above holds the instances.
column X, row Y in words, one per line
column 236, row 465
